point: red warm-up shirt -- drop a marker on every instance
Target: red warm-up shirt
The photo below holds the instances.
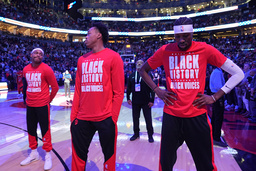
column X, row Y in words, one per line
column 19, row 81
column 38, row 81
column 185, row 74
column 99, row 88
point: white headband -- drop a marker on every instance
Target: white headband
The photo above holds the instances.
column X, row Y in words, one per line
column 183, row 29
column 37, row 49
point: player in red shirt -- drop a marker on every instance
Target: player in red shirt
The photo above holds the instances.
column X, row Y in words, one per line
column 37, row 77
column 19, row 81
column 99, row 92
column 184, row 117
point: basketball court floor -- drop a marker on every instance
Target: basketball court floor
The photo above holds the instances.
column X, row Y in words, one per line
column 139, row 155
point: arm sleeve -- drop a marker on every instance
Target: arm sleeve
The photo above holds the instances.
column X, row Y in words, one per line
column 51, row 79
column 76, row 99
column 236, row 73
column 156, row 60
column 117, row 79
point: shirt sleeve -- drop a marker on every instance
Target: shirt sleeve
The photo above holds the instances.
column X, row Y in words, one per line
column 215, row 57
column 156, row 60
column 117, row 79
column 51, row 79
column 76, row 99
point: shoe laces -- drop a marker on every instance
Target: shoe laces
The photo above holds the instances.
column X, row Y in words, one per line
column 33, row 154
column 48, row 157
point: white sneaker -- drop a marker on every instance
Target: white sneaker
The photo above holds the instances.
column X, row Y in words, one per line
column 48, row 161
column 33, row 156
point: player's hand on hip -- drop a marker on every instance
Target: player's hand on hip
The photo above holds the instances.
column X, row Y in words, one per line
column 202, row 100
column 166, row 96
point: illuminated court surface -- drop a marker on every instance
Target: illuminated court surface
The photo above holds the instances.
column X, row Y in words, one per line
column 139, row 155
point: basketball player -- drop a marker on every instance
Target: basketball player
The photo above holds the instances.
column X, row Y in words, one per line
column 99, row 92
column 184, row 117
column 19, row 81
column 38, row 76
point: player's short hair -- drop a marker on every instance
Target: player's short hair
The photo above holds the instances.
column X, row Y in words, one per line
column 103, row 30
column 183, row 21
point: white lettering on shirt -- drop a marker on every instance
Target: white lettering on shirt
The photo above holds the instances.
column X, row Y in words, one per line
column 92, row 76
column 184, row 71
column 34, row 81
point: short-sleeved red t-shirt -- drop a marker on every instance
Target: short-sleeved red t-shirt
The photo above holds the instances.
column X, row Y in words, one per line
column 185, row 74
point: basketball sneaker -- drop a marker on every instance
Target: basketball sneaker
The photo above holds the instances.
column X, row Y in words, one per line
column 48, row 161
column 33, row 156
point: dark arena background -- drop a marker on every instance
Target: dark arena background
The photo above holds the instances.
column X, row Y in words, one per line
column 137, row 28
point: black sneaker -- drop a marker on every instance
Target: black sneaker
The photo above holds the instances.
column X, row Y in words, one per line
column 219, row 143
column 150, row 139
column 134, row 137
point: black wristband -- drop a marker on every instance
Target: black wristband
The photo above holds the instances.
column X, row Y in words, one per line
column 154, row 88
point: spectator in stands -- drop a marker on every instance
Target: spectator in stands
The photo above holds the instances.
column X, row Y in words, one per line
column 252, row 100
column 10, row 80
column 242, row 86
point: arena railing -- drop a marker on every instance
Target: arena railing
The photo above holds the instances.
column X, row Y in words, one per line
column 174, row 17
column 115, row 33
column 146, row 5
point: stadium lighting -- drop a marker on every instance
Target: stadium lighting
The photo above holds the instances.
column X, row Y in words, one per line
column 114, row 33
column 152, row 33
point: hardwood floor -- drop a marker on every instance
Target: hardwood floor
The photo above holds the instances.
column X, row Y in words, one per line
column 139, row 155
